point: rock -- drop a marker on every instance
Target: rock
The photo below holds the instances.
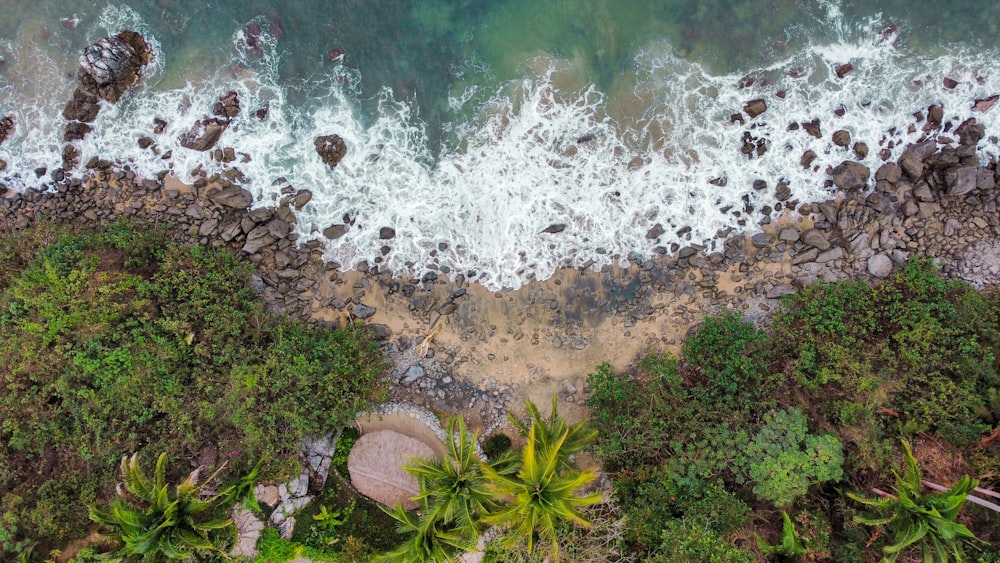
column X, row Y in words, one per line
column 228, row 106
column 890, row 172
column 949, row 83
column 850, row 175
column 984, row 104
column 386, row 233
column 778, row 291
column 301, row 199
column 331, row 149
column 380, row 332
column 753, row 108
column 81, row 107
column 334, row 232
column 413, row 373
column 789, row 234
column 935, row 113
column 655, row 231
column 807, row 158
column 830, row 255
column 233, row 196
column 248, row 529
column 363, row 311
column 554, row 228
column 960, row 180
column 159, row 126
column 922, row 191
column 815, row 238
column 145, row 142
column 782, row 192
column 813, row 128
column 267, row 495
column 880, row 266
column 76, row 130
column 912, row 159
column 861, row 149
column 762, row 240
column 375, row 466
column 970, row 132
column 842, row 70
column 111, row 66
column 258, row 238
column 204, row 134
column 841, row 137
column 985, row 180
column 6, row 128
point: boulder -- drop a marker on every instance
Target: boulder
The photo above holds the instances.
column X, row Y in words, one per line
column 960, row 180
column 912, row 159
column 335, row 231
column 386, row 233
column 655, row 231
column 331, row 149
column 204, row 134
column 841, row 137
column 753, row 108
column 984, row 104
column 555, row 228
column 880, row 266
column 363, row 311
column 375, row 466
column 814, row 238
column 6, row 128
column 843, row 70
column 850, row 175
column 234, row 197
column 110, row 67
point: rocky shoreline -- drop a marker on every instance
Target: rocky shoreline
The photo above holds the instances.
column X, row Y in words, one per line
column 459, row 348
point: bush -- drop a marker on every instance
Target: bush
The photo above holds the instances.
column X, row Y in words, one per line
column 783, row 460
column 118, row 341
column 732, row 358
column 496, row 445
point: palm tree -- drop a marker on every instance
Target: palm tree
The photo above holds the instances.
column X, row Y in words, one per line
column 432, row 539
column 578, row 436
column 543, row 492
column 918, row 519
column 454, row 488
column 154, row 524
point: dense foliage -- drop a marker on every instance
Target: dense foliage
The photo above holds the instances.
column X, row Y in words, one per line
column 120, row 341
column 748, row 420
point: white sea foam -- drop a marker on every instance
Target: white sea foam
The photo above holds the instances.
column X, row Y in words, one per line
column 533, row 156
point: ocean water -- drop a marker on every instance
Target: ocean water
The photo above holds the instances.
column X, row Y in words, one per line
column 472, row 126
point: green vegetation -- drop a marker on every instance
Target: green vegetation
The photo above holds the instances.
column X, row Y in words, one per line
column 120, row 341
column 704, row 447
column 915, row 518
column 156, row 525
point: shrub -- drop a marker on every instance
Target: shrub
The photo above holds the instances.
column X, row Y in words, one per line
column 783, row 460
column 731, row 356
column 119, row 341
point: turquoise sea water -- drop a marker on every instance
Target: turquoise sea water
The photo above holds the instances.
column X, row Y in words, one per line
column 479, row 123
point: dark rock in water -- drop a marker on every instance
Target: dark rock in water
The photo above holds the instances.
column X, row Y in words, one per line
column 386, row 233
column 970, row 132
column 76, row 130
column 234, row 197
column 841, row 138
column 228, row 106
column 3, row 165
column 555, row 228
column 81, row 107
column 110, row 67
column 159, row 126
column 850, row 175
column 861, row 149
column 655, row 231
column 204, row 135
column 807, row 158
column 812, row 127
column 782, row 192
column 949, row 83
column 336, row 53
column 753, row 108
column 261, row 114
column 331, row 149
column 935, row 114
column 302, row 197
column 984, row 104
column 842, row 70
column 6, row 128
column 208, row 130
column 737, row 117
column 335, row 231
column 145, row 142
column 890, row 172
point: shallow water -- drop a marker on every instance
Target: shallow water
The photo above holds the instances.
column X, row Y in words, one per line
column 473, row 126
